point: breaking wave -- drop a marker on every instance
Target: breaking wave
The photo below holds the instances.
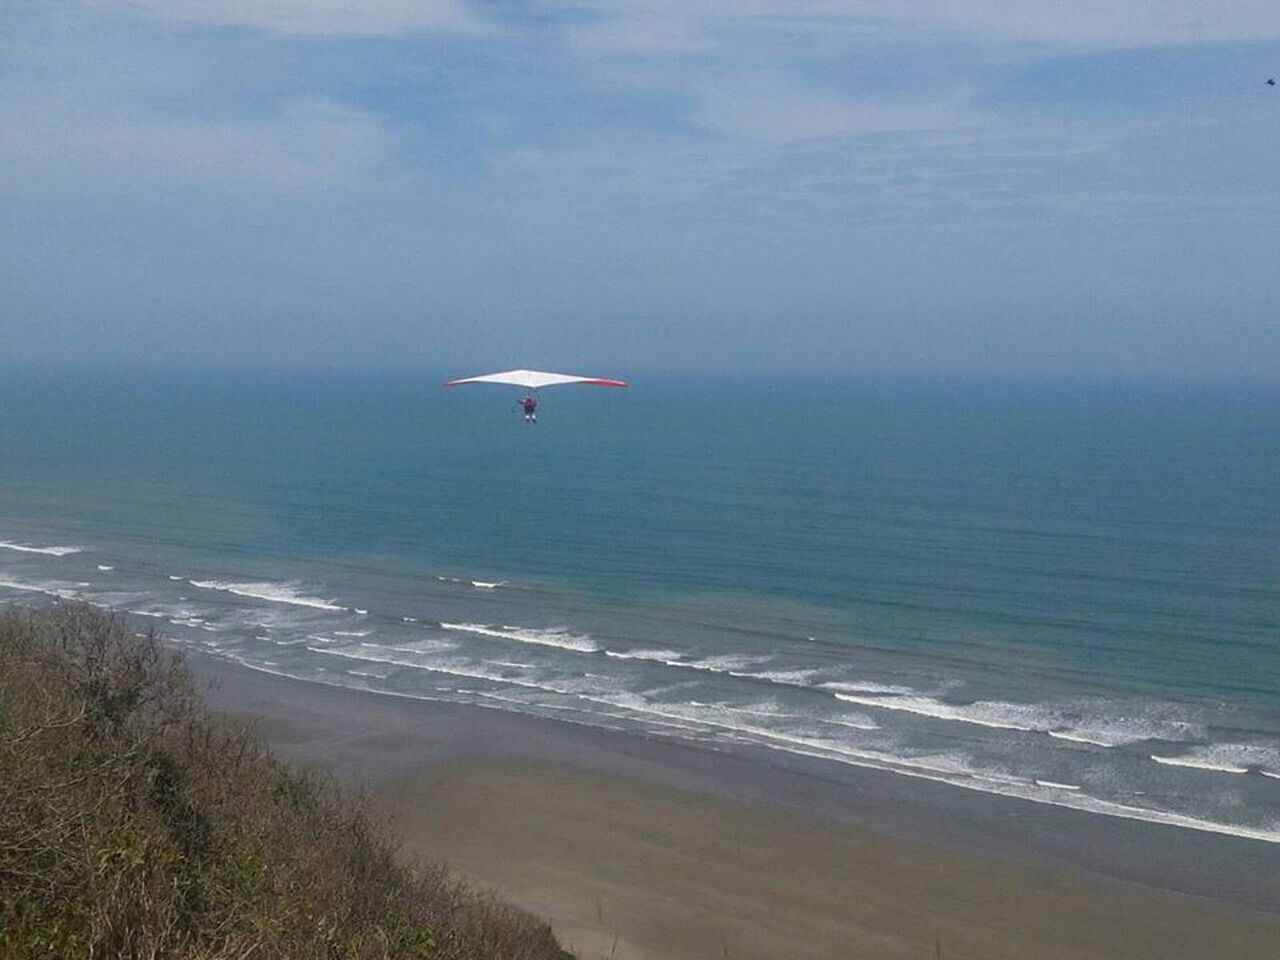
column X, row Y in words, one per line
column 479, row 584
column 1063, row 722
column 864, row 687
column 53, row 588
column 1228, row 758
column 560, row 638
column 47, row 551
column 265, row 590
column 669, row 657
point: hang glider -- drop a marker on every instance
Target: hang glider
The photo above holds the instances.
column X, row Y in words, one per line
column 533, row 379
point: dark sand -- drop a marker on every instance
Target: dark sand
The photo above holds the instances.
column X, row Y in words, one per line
column 637, row 848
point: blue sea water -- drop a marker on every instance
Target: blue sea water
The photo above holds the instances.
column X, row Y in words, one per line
column 1065, row 592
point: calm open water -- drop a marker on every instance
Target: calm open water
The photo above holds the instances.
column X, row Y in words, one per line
column 1063, row 592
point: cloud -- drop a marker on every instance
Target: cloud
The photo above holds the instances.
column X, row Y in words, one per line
column 779, row 112
column 603, row 163
column 645, row 35
column 305, row 142
column 326, row 17
column 1094, row 24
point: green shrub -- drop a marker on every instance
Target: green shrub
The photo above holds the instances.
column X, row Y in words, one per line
column 135, row 824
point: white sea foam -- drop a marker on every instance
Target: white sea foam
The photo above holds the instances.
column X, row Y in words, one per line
column 858, row 721
column 789, row 678
column 352, row 633
column 52, row 588
column 590, row 717
column 47, row 551
column 120, row 599
column 1025, row 718
column 420, row 646
column 482, row 584
column 732, row 720
column 266, row 590
column 669, row 657
column 1097, row 740
column 276, row 617
column 359, row 611
column 1199, row 764
column 104, row 567
column 1080, row 722
column 409, row 619
column 175, row 577
column 865, row 686
column 769, row 708
column 1228, row 758
column 548, row 638
column 801, row 738
column 1269, row 832
column 1101, row 726
column 729, row 665
column 958, row 764
column 195, row 622
column 456, row 668
column 958, row 771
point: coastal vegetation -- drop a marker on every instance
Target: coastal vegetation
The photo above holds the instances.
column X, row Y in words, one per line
column 135, row 823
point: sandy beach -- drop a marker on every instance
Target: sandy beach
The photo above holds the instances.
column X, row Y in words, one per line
column 634, row 848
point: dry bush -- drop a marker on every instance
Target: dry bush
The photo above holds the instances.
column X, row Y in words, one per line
column 134, row 824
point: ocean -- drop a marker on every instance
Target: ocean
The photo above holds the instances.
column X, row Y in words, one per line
column 1067, row 592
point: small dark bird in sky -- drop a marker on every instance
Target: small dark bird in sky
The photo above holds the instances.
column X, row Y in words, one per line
column 1271, row 81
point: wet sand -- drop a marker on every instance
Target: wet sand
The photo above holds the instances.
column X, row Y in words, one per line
column 635, row 848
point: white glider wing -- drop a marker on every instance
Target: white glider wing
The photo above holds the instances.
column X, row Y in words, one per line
column 533, row 379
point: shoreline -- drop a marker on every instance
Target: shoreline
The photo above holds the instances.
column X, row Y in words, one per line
column 376, row 741
column 622, row 868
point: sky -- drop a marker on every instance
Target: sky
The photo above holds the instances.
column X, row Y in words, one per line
column 1009, row 187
